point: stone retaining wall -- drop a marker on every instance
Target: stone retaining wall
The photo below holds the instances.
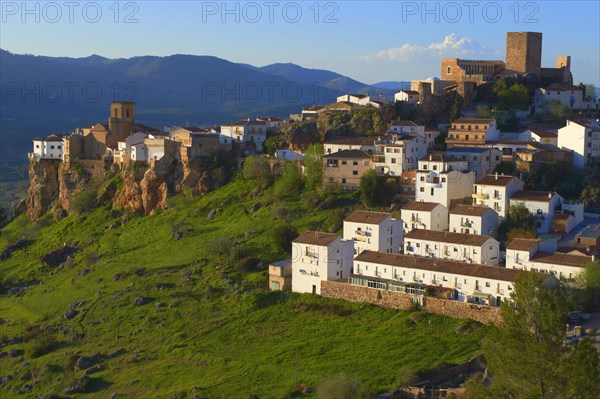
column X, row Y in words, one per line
column 400, row 300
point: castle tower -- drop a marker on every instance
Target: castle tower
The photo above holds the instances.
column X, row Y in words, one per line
column 524, row 52
column 121, row 121
column 564, row 62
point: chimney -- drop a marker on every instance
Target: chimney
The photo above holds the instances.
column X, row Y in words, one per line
column 430, row 157
column 549, row 194
column 496, row 175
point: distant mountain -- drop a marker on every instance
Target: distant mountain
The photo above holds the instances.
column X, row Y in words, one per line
column 392, row 85
column 330, row 81
column 44, row 95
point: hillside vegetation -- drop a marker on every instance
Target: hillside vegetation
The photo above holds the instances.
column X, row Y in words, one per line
column 176, row 306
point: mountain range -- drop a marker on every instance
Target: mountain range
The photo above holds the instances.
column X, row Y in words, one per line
column 43, row 95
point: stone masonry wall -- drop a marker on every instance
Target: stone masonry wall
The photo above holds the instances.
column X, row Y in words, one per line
column 400, row 300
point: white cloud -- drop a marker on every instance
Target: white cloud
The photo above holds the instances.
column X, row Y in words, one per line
column 451, row 46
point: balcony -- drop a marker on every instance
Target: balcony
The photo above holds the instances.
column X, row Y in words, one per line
column 458, row 285
column 433, row 182
column 312, row 255
column 480, row 196
column 500, row 291
column 415, row 219
column 416, row 279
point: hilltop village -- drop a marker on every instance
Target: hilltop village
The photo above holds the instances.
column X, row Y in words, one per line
column 456, row 161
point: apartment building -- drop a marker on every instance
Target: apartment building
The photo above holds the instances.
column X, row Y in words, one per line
column 424, row 215
column 495, row 191
column 441, row 179
column 374, row 231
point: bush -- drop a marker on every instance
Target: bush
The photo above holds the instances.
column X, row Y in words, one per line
column 282, row 237
column 246, row 264
column 258, row 170
column 290, row 183
column 342, row 387
column 41, row 345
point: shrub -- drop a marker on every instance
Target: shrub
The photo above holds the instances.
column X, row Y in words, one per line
column 282, row 237
column 246, row 264
column 41, row 345
column 342, row 387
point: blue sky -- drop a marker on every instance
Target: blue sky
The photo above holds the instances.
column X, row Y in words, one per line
column 367, row 40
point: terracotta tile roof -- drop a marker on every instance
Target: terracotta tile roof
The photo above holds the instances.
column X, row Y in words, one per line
column 471, row 210
column 440, row 158
column 556, row 258
column 447, row 237
column 349, row 154
column 495, row 180
column 523, row 244
column 51, row 137
column 246, row 122
column 316, row 238
column 420, row 206
column 472, row 120
column 367, row 217
column 439, row 265
column 537, row 196
column 545, row 133
column 431, row 129
column 350, row 140
column 402, row 123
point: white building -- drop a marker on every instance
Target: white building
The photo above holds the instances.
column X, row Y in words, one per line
column 583, row 138
column 341, row 143
column 431, row 133
column 398, row 153
column 461, row 247
column 481, row 160
column 360, row 99
column 540, row 136
column 542, row 204
column 441, row 179
column 272, row 121
column 466, row 282
column 50, row 147
column 249, row 131
column 473, row 219
column 317, row 257
column 373, row 231
column 494, row 191
column 406, row 127
column 424, row 215
column 539, row 256
column 568, row 95
column 409, row 96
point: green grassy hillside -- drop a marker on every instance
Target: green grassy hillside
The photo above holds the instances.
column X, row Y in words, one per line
column 204, row 325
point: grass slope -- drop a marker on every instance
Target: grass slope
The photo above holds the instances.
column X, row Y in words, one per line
column 207, row 329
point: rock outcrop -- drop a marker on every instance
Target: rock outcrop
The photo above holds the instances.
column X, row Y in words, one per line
column 43, row 188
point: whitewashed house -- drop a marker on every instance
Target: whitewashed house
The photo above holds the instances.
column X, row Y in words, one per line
column 398, row 154
column 342, row 143
column 481, row 160
column 441, row 179
column 246, row 131
column 583, row 138
column 317, row 257
column 541, row 256
column 494, row 191
column 50, row 147
column 406, row 127
column 567, row 95
column 473, row 219
column 465, row 282
column 542, row 204
column 409, row 96
column 424, row 215
column 374, row 231
column 431, row 133
column 461, row 247
column 272, row 121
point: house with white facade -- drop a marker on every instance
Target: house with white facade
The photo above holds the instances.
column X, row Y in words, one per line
column 541, row 256
column 473, row 219
column 465, row 282
column 318, row 256
column 542, row 204
column 360, row 99
column 441, row 179
column 272, row 121
column 494, row 191
column 405, row 127
column 409, row 96
column 540, row 136
column 424, row 215
column 49, row 147
column 460, row 247
column 373, row 231
column 341, row 143
column 246, row 131
column 431, row 133
column 583, row 138
column 566, row 94
column 481, row 160
column 398, row 153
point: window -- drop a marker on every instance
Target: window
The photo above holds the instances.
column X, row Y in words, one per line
column 355, row 172
column 343, row 180
column 434, row 167
column 443, row 180
column 355, row 163
column 343, row 162
column 449, row 70
column 51, row 147
column 487, row 284
column 422, row 189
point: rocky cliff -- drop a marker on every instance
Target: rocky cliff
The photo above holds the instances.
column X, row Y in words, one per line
column 139, row 188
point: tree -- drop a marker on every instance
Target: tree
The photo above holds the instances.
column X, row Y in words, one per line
column 590, row 195
column 313, row 166
column 375, row 191
column 590, row 91
column 455, row 112
column 588, row 282
column 523, row 354
column 483, row 111
column 282, row 237
column 526, row 356
column 519, row 223
column 259, row 170
column 290, row 183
